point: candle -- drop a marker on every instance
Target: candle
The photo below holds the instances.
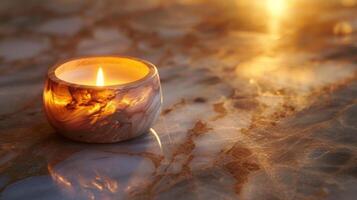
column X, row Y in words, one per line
column 102, row 99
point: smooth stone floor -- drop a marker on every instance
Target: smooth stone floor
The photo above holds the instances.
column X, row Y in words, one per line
column 259, row 99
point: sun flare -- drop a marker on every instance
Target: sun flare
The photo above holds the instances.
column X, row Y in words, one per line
column 275, row 7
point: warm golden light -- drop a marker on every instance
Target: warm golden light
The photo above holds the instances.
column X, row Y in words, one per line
column 349, row 3
column 276, row 7
column 100, row 77
column 276, row 13
column 342, row 28
column 102, row 71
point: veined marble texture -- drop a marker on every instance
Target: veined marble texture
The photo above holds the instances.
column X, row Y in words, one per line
column 259, row 99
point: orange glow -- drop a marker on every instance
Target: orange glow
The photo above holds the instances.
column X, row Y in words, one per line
column 100, row 77
column 342, row 28
column 349, row 3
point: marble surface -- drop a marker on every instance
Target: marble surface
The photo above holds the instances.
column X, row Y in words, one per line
column 259, row 99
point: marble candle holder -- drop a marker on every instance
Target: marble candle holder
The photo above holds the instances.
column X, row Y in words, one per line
column 125, row 107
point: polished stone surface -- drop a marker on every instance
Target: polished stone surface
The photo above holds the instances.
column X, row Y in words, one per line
column 259, row 99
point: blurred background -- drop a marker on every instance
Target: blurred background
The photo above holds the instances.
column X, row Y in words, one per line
column 204, row 33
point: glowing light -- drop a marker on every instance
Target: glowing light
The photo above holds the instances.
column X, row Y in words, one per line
column 342, row 28
column 349, row 3
column 276, row 13
column 275, row 7
column 100, row 77
column 156, row 137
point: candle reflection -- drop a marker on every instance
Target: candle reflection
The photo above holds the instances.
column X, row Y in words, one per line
column 102, row 173
column 106, row 171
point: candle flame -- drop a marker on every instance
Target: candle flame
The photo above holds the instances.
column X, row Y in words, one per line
column 100, row 77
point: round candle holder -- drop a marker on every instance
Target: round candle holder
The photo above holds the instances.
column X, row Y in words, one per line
column 124, row 108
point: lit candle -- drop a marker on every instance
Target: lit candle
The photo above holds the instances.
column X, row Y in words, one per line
column 102, row 99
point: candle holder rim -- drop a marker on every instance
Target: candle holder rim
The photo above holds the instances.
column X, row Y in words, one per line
column 151, row 74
